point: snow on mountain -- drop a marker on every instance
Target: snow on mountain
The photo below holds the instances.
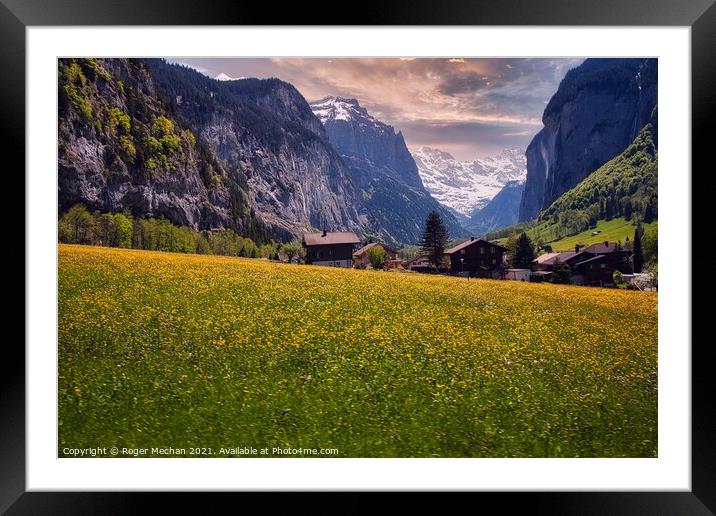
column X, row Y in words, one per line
column 223, row 77
column 329, row 109
column 466, row 186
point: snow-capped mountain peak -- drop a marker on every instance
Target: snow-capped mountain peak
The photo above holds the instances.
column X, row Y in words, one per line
column 340, row 108
column 223, row 77
column 468, row 185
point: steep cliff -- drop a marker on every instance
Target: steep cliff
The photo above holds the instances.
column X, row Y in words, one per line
column 120, row 147
column 266, row 131
column 597, row 111
column 384, row 169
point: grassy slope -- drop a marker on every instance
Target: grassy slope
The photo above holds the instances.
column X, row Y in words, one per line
column 159, row 349
column 613, row 230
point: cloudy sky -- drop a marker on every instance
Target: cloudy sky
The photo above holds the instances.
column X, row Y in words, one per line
column 469, row 107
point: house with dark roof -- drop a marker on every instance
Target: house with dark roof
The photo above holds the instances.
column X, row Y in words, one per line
column 334, row 249
column 593, row 265
column 476, row 257
column 361, row 256
column 546, row 261
column 599, row 263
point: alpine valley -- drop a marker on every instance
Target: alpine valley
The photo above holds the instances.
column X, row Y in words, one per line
column 163, row 140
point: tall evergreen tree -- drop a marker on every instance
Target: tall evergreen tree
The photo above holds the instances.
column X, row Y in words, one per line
column 638, row 250
column 524, row 253
column 650, row 212
column 434, row 239
column 627, row 210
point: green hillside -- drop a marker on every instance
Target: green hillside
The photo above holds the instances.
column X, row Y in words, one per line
column 607, row 202
column 622, row 187
column 613, row 230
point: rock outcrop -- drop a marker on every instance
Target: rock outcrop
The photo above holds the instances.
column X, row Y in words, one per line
column 265, row 131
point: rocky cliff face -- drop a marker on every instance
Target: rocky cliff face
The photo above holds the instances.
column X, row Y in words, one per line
column 121, row 148
column 383, row 168
column 164, row 140
column 598, row 110
column 265, row 131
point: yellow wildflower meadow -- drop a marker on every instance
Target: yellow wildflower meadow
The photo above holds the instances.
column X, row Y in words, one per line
column 185, row 351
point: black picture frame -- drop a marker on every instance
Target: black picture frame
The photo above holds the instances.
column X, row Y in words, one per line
column 17, row 15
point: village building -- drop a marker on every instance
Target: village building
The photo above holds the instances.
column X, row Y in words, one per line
column 593, row 265
column 361, row 257
column 393, row 264
column 476, row 257
column 601, row 261
column 545, row 262
column 518, row 274
column 333, row 249
column 418, row 264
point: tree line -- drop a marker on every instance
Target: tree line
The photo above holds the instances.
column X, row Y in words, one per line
column 80, row 226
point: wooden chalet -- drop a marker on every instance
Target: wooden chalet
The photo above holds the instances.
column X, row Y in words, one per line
column 601, row 260
column 476, row 257
column 594, row 265
column 333, row 249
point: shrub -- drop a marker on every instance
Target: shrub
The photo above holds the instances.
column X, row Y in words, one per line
column 618, row 279
column 162, row 126
column 128, row 147
column 377, row 257
column 79, row 101
column 118, row 120
column 170, row 142
column 152, row 146
column 97, row 69
column 561, row 273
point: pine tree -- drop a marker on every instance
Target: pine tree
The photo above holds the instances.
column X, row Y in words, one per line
column 524, row 254
column 627, row 210
column 650, row 212
column 609, row 209
column 638, row 251
column 434, row 239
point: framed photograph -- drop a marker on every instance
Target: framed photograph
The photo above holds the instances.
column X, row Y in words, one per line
column 415, row 251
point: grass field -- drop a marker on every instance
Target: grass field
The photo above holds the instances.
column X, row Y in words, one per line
column 172, row 350
column 614, row 230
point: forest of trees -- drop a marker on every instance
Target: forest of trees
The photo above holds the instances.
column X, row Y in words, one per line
column 79, row 226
